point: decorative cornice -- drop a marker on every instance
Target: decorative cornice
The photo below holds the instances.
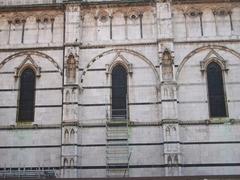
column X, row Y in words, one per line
column 202, row 1
column 31, row 7
column 62, row 5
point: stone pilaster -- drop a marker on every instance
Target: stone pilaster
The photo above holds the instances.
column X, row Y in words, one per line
column 70, row 125
column 172, row 158
column 72, row 23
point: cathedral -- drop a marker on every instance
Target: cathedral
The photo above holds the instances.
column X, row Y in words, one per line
column 119, row 88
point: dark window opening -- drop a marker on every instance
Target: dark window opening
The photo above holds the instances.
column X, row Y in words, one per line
column 27, row 96
column 216, row 91
column 119, row 92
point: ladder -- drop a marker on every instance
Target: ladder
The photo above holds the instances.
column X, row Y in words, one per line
column 117, row 150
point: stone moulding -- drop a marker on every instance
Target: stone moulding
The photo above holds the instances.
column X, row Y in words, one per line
column 28, row 62
column 61, row 5
column 119, row 59
column 201, row 1
column 213, row 56
column 29, row 53
column 117, row 51
column 203, row 48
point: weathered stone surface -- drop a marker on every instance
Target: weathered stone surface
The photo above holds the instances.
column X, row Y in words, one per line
column 165, row 48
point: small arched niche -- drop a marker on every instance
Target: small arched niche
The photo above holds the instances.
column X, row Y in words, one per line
column 71, row 69
column 167, row 66
column 66, row 136
column 72, row 133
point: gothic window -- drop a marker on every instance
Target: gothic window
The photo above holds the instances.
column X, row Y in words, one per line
column 119, row 92
column 167, row 66
column 27, row 96
column 217, row 107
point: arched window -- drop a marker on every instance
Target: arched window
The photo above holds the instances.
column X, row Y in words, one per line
column 27, row 96
column 119, row 92
column 216, row 97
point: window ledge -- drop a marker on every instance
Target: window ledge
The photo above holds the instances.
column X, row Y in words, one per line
column 24, row 123
column 220, row 120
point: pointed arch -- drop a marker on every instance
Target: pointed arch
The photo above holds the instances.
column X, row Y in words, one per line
column 176, row 159
column 72, row 162
column 140, row 56
column 27, row 95
column 213, row 56
column 67, row 96
column 221, row 63
column 29, row 53
column 72, row 132
column 66, row 136
column 168, row 131
column 203, row 48
column 169, row 160
column 119, row 92
column 65, row 162
column 216, row 95
column 119, row 60
column 74, row 94
column 28, row 63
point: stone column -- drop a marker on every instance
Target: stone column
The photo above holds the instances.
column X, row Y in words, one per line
column 170, row 124
column 70, row 124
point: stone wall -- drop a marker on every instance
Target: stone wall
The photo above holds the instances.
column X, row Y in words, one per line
column 165, row 48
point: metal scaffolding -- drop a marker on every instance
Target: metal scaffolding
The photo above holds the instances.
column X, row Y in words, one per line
column 117, row 149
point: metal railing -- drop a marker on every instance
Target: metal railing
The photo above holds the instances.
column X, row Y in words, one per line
column 117, row 149
column 119, row 114
column 27, row 173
